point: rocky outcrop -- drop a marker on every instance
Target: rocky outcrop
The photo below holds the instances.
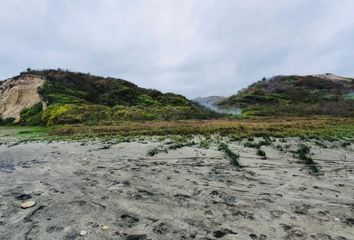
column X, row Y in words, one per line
column 18, row 94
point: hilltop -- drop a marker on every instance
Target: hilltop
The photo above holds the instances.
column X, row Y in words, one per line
column 323, row 94
column 64, row 97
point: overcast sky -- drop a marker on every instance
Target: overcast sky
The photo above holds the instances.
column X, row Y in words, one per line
column 192, row 47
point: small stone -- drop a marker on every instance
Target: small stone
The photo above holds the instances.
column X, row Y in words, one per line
column 23, row 197
column 230, row 200
column 28, row 204
column 83, row 233
column 105, row 227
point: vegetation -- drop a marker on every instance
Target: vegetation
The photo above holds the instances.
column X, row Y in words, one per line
column 7, row 121
column 258, row 145
column 205, row 144
column 74, row 98
column 83, row 106
column 303, row 153
column 314, row 127
column 261, row 153
column 152, row 152
column 234, row 157
column 32, row 116
column 105, row 115
column 28, row 133
column 295, row 96
column 172, row 145
column 317, row 128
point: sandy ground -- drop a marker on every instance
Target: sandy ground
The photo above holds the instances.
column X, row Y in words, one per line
column 19, row 94
column 188, row 193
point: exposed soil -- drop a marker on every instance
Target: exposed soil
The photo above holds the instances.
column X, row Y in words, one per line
column 19, row 94
column 187, row 193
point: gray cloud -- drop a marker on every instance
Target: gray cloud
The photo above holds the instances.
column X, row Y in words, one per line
column 193, row 47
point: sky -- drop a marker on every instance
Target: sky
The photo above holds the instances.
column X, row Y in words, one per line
column 192, row 47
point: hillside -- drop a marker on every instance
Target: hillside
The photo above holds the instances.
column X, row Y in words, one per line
column 18, row 94
column 325, row 94
column 64, row 97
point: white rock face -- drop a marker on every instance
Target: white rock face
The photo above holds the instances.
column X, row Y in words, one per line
column 19, row 94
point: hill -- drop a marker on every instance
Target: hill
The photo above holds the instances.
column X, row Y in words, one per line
column 325, row 94
column 63, row 97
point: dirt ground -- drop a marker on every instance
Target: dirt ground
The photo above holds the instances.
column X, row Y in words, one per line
column 116, row 191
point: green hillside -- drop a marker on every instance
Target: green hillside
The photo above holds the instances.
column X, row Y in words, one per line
column 296, row 96
column 73, row 97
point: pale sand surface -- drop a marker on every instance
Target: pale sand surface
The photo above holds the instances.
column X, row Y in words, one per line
column 187, row 193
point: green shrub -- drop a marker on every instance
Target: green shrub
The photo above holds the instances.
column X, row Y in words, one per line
column 303, row 152
column 32, row 116
column 261, row 153
column 7, row 121
column 205, row 144
column 234, row 157
column 152, row 152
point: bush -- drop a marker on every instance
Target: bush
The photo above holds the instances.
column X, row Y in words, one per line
column 261, row 153
column 32, row 116
column 234, row 157
column 7, row 121
column 303, row 152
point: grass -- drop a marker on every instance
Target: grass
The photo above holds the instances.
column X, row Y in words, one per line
column 205, row 144
column 303, row 153
column 259, row 144
column 177, row 143
column 234, row 157
column 328, row 128
column 154, row 151
column 261, row 153
column 309, row 127
column 29, row 133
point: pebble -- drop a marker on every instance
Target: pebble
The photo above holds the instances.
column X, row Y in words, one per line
column 28, row 204
column 83, row 233
column 105, row 227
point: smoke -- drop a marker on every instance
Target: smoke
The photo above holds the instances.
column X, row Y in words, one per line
column 211, row 104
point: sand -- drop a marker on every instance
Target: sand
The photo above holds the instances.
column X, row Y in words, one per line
column 18, row 94
column 187, row 193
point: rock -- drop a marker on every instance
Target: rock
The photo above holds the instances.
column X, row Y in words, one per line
column 83, row 233
column 28, row 204
column 137, row 237
column 23, row 197
column 222, row 232
column 229, row 200
column 105, row 227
